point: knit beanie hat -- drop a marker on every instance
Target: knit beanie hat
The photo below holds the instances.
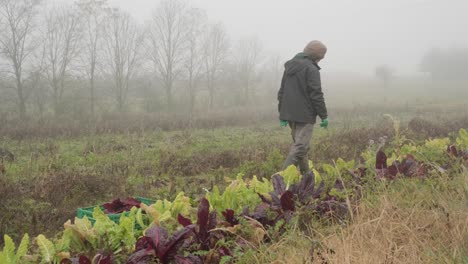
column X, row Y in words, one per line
column 316, row 50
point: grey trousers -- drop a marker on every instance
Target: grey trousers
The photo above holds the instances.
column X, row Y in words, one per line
column 298, row 155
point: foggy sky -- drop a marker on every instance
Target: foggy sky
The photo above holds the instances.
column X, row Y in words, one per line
column 360, row 34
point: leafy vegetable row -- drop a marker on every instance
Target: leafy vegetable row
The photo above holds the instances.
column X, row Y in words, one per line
column 223, row 224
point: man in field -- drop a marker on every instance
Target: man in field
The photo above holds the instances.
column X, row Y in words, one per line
column 300, row 101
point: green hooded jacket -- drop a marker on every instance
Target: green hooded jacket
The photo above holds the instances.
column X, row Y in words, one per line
column 300, row 98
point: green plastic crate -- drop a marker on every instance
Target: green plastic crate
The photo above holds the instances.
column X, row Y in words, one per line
column 88, row 211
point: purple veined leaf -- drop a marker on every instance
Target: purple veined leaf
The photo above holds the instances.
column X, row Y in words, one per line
column 333, row 208
column 174, row 244
column 203, row 218
column 278, row 184
column 230, row 217
column 84, row 260
column 287, row 201
column 452, row 150
column 392, row 171
column 275, row 200
column 212, row 220
column 260, row 211
column 102, row 259
column 191, row 259
column 157, row 244
column 381, row 160
column 114, row 207
column 144, row 243
column 118, row 206
column 304, row 189
column 318, row 192
column 261, row 215
column 159, row 238
column 144, row 256
column 184, row 221
column 338, row 209
column 408, row 167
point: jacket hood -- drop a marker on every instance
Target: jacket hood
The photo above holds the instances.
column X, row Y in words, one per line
column 298, row 63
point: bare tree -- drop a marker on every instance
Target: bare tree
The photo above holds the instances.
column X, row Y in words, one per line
column 16, row 31
column 168, row 41
column 247, row 55
column 94, row 14
column 216, row 47
column 446, row 64
column 123, row 42
column 62, row 39
column 38, row 83
column 193, row 62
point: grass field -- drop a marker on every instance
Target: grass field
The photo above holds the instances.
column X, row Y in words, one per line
column 403, row 221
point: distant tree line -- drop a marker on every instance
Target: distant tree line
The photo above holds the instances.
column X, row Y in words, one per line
column 446, row 64
column 87, row 57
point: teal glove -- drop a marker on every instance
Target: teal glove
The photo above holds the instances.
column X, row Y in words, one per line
column 324, row 123
column 283, row 123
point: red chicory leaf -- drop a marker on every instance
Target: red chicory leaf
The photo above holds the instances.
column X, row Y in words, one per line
column 145, row 256
column 118, row 206
column 158, row 236
column 212, row 220
column 184, row 221
column 278, row 184
column 392, row 171
column 229, row 217
column 381, row 160
column 144, row 243
column 452, row 150
column 174, row 244
column 287, row 201
column 203, row 218
column 305, row 188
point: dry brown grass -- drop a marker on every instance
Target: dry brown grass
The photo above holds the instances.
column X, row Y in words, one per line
column 400, row 235
column 410, row 222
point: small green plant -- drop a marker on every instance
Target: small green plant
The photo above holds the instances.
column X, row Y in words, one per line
column 237, row 195
column 8, row 254
column 462, row 139
column 433, row 150
column 47, row 249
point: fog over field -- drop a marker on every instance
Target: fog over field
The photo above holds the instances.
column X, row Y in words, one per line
column 90, row 57
column 360, row 34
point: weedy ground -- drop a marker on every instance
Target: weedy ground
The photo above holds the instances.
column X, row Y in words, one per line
column 406, row 221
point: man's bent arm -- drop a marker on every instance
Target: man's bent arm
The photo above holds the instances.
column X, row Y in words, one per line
column 280, row 92
column 314, row 90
